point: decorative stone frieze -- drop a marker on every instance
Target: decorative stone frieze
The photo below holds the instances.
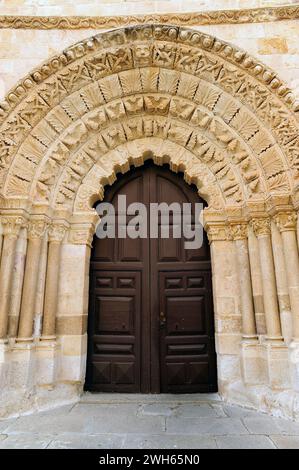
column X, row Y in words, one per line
column 248, row 15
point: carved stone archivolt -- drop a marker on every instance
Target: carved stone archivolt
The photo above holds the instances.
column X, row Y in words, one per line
column 162, row 92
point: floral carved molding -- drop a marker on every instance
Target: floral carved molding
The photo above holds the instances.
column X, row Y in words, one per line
column 152, row 91
column 253, row 15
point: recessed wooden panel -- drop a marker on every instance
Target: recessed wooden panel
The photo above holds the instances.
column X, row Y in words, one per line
column 185, row 314
column 104, row 282
column 193, row 282
column 174, row 283
column 124, row 373
column 198, row 372
column 114, row 314
column 125, row 282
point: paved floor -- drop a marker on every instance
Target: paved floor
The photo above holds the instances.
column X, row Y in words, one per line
column 148, row 422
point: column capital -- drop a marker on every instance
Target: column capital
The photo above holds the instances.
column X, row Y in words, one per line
column 261, row 226
column 239, row 231
column 218, row 232
column 12, row 224
column 36, row 228
column 286, row 221
column 81, row 234
column 57, row 231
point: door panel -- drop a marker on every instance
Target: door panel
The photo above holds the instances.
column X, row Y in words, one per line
column 151, row 313
column 115, row 349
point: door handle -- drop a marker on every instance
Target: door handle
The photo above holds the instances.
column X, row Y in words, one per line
column 162, row 320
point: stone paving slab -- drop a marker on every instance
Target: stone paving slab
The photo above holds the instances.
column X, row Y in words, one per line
column 175, row 441
column 244, row 442
column 148, row 421
column 286, row 442
column 205, row 426
column 81, row 441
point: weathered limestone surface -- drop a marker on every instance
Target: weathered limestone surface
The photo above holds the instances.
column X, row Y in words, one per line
column 181, row 97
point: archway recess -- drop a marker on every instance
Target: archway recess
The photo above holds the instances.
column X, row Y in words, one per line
column 118, row 98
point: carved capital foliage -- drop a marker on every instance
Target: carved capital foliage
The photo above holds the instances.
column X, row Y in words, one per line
column 239, row 231
column 217, row 232
column 36, row 228
column 81, row 235
column 11, row 225
column 261, row 226
column 286, row 221
column 56, row 231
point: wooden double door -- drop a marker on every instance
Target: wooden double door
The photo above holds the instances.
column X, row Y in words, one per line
column 150, row 311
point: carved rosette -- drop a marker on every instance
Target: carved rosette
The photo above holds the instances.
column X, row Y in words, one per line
column 56, row 232
column 286, row 221
column 11, row 225
column 239, row 231
column 261, row 226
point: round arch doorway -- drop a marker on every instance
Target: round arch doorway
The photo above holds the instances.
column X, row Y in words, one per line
column 151, row 326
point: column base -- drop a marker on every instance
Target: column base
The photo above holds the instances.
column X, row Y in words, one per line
column 294, row 363
column 22, row 365
column 253, row 362
column 46, row 363
column 278, row 364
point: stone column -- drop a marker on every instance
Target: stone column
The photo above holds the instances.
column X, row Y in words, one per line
column 240, row 234
column 282, row 283
column 17, row 284
column 40, row 291
column 275, row 350
column 56, row 235
column 36, row 231
column 256, row 280
column 286, row 222
column 262, row 229
column 226, row 295
column 11, row 227
column 1, row 239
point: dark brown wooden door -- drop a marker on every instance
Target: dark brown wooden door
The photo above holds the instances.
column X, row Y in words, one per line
column 151, row 311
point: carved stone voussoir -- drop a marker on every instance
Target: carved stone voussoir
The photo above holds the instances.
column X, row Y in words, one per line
column 286, row 221
column 261, row 226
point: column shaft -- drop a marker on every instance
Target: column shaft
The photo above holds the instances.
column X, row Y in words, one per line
column 51, row 293
column 292, row 266
column 282, row 283
column 263, row 231
column 17, row 284
column 40, row 290
column 6, row 267
column 29, row 290
column 248, row 317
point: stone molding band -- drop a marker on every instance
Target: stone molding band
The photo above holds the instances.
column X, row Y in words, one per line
column 250, row 15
